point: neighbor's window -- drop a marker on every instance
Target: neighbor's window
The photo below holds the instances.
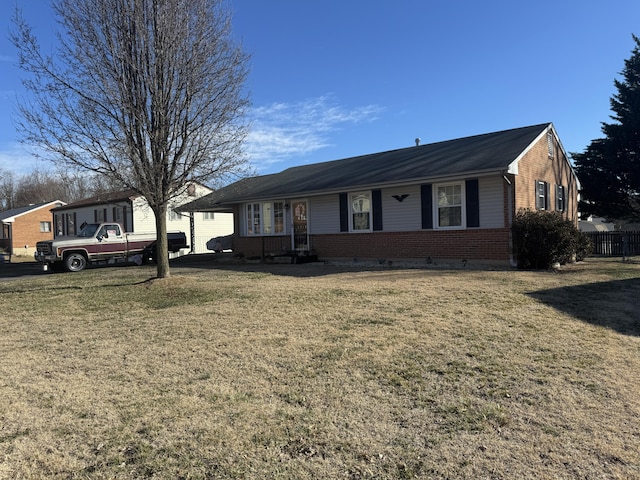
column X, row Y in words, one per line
column 266, row 218
column 45, row 227
column 541, row 195
column 71, row 224
column 208, row 216
column 173, row 215
column 449, row 205
column 561, row 205
column 361, row 211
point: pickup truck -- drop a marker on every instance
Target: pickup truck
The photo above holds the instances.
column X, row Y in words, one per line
column 102, row 242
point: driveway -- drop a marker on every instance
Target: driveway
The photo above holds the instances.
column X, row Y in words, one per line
column 15, row 270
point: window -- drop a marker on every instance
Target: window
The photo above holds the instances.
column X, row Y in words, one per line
column 59, row 224
column 208, row 216
column 173, row 215
column 99, row 215
column 560, row 199
column 449, row 203
column 266, row 218
column 71, row 223
column 361, row 211
column 45, row 227
column 541, row 195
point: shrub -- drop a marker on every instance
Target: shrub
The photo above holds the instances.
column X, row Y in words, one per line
column 541, row 239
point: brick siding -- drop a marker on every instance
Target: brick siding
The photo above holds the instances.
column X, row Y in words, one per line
column 473, row 244
column 25, row 231
column 537, row 165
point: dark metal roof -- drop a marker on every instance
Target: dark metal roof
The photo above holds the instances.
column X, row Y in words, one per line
column 469, row 155
column 105, row 198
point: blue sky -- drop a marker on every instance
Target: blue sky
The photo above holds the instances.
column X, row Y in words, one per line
column 337, row 78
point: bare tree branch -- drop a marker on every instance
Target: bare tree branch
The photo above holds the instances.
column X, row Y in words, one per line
column 147, row 92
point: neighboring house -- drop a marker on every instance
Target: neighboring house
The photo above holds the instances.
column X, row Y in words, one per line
column 595, row 224
column 451, row 200
column 22, row 227
column 132, row 211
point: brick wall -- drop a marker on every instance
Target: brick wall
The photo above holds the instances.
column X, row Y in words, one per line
column 480, row 244
column 473, row 245
column 25, row 231
column 537, row 165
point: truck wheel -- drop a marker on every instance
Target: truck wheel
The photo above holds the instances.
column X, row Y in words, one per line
column 75, row 262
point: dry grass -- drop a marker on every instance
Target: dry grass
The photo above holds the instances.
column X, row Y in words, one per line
column 313, row 371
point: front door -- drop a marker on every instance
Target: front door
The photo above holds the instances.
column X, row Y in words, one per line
column 300, row 226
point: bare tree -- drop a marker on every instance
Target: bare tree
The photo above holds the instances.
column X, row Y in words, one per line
column 7, row 190
column 147, row 92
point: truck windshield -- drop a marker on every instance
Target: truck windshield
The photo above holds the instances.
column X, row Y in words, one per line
column 88, row 230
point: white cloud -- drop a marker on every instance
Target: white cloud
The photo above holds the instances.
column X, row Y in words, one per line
column 16, row 159
column 280, row 130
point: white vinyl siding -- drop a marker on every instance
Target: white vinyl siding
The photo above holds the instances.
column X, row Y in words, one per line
column 401, row 216
column 326, row 214
column 140, row 219
column 491, row 200
column 404, row 216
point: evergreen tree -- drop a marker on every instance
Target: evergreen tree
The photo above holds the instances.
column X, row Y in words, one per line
column 609, row 169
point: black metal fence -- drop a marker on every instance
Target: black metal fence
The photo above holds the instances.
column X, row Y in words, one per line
column 615, row 244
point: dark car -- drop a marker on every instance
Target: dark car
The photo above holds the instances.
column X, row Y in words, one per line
column 220, row 244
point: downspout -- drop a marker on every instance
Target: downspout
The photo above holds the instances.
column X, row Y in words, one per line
column 512, row 261
column 192, row 232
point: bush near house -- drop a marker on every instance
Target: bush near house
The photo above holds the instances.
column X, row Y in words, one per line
column 542, row 238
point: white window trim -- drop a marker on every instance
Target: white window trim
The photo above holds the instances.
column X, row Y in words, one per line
column 261, row 220
column 436, row 210
column 561, row 188
column 545, row 197
column 351, row 212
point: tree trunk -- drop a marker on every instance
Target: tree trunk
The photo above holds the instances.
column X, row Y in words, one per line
column 162, row 247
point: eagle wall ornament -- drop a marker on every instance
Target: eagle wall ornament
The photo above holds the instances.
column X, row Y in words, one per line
column 400, row 198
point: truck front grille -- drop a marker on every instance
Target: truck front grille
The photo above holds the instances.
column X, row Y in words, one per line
column 44, row 248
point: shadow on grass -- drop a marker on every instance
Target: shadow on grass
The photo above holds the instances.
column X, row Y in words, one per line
column 612, row 304
column 226, row 261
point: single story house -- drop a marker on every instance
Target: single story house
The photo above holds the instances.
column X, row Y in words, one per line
column 595, row 224
column 450, row 200
column 132, row 211
column 22, row 227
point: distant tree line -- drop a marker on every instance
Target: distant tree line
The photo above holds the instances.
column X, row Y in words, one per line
column 44, row 186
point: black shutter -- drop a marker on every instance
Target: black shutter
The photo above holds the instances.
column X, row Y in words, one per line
column 426, row 201
column 546, row 196
column 376, row 200
column 472, row 203
column 344, row 212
